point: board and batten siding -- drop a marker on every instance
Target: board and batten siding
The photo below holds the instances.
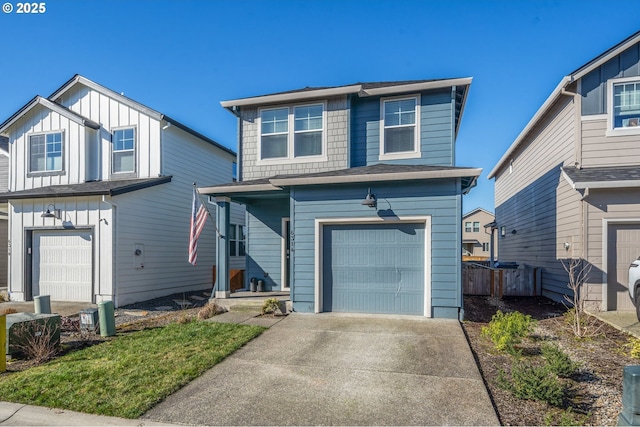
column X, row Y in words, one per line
column 112, row 114
column 77, row 212
column 593, row 86
column 336, row 135
column 437, row 111
column 537, row 206
column 42, row 120
column 439, row 199
column 264, row 245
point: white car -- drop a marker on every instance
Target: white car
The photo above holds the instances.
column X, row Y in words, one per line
column 634, row 284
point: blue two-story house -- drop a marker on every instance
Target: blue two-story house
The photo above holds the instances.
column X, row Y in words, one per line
column 353, row 199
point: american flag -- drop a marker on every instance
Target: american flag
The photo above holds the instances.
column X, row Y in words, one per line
column 198, row 219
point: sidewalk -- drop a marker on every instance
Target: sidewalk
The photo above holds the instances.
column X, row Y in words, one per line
column 17, row 414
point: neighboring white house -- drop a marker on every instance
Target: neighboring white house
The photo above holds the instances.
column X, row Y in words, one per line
column 4, row 220
column 100, row 194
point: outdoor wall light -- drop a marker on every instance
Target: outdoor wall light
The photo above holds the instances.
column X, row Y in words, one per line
column 567, row 245
column 55, row 214
column 503, row 231
column 370, row 200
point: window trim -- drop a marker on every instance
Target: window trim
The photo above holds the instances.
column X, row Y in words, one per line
column 476, row 229
column 128, row 174
column 469, row 228
column 416, row 152
column 611, row 131
column 291, row 158
column 236, row 242
column 45, row 172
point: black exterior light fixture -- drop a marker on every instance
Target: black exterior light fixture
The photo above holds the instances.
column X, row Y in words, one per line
column 49, row 214
column 370, row 200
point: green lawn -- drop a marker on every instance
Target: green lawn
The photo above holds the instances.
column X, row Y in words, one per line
column 128, row 375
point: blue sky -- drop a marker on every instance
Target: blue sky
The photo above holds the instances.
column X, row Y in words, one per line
column 183, row 57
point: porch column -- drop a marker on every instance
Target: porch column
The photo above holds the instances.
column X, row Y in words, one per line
column 222, row 247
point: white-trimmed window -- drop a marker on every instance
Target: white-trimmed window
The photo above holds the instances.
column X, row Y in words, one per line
column 123, row 151
column 236, row 240
column 400, row 127
column 294, row 133
column 467, row 227
column 624, row 105
column 45, row 152
column 476, row 226
column 485, row 247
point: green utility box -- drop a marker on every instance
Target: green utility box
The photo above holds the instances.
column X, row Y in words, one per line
column 24, row 326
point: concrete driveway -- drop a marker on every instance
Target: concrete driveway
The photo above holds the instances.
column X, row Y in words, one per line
column 329, row 369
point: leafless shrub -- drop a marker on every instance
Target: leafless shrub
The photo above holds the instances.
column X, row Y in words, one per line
column 582, row 323
column 37, row 341
column 210, row 310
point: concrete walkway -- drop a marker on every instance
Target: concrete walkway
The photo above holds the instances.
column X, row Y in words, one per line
column 622, row 320
column 329, row 369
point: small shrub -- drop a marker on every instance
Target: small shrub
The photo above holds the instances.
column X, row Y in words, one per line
column 4, row 297
column 210, row 310
column 536, row 383
column 8, row 310
column 565, row 418
column 634, row 348
column 37, row 341
column 557, row 361
column 270, row 305
column 507, row 330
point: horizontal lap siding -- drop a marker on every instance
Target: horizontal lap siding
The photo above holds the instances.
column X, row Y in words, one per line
column 437, row 198
column 599, row 150
column 538, row 203
column 612, row 205
column 158, row 218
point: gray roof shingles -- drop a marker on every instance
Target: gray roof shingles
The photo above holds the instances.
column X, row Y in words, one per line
column 607, row 174
column 93, row 188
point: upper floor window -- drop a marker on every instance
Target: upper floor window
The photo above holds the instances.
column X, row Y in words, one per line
column 624, row 101
column 400, row 128
column 124, row 151
column 292, row 133
column 476, row 226
column 467, row 227
column 45, row 152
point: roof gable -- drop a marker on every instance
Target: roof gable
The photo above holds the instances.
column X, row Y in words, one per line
column 475, row 211
column 561, row 90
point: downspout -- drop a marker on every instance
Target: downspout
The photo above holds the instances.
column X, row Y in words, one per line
column 114, row 247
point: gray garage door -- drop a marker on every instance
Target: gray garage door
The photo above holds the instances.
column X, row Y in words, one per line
column 623, row 247
column 374, row 268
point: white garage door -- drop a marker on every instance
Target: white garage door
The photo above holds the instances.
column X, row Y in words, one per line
column 62, row 264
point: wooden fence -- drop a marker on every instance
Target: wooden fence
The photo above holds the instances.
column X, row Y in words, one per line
column 480, row 280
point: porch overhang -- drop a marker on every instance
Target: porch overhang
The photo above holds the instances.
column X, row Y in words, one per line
column 279, row 185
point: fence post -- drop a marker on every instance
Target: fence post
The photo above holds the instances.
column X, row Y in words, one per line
column 3, row 342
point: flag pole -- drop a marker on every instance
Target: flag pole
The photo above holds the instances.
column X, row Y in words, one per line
column 207, row 209
column 215, row 283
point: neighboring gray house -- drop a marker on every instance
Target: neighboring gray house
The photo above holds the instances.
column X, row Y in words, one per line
column 569, row 185
column 100, row 198
column 4, row 223
column 353, row 198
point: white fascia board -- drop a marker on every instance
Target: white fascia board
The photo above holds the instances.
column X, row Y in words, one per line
column 292, row 96
column 232, row 189
column 38, row 100
column 399, row 176
column 415, row 87
column 568, row 179
column 607, row 184
column 607, row 57
column 110, row 93
column 477, row 210
column 557, row 92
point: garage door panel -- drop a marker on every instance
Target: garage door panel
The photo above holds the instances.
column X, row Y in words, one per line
column 374, row 268
column 623, row 247
column 62, row 264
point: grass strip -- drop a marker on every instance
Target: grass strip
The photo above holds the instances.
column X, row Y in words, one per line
column 127, row 376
